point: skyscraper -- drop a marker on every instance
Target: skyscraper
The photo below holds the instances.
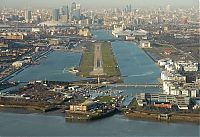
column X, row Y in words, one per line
column 75, row 11
column 73, row 6
column 28, row 16
column 65, row 11
column 128, row 8
column 64, row 14
column 78, row 11
column 55, row 15
column 168, row 8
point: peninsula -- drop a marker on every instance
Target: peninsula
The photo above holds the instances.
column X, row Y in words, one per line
column 98, row 61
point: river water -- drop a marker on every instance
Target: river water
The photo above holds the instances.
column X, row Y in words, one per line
column 135, row 66
column 54, row 67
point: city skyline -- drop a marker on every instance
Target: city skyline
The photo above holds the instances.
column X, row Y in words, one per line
column 99, row 4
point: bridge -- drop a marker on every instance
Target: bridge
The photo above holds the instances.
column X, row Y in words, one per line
column 122, row 85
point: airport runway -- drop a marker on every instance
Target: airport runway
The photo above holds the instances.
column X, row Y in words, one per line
column 98, row 61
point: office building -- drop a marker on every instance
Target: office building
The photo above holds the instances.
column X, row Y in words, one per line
column 64, row 14
column 73, row 6
column 64, row 10
column 75, row 11
column 55, row 15
column 28, row 16
column 168, row 8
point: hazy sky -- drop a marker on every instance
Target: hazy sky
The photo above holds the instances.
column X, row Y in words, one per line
column 99, row 3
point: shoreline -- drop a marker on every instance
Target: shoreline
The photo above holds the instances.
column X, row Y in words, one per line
column 30, row 111
column 174, row 118
column 15, row 72
column 130, row 116
column 149, row 55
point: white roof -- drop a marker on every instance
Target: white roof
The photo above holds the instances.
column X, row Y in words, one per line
column 52, row 23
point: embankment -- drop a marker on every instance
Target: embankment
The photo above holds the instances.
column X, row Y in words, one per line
column 173, row 117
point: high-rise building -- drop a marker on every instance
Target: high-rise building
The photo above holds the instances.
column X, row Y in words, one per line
column 73, row 6
column 128, row 8
column 64, row 13
column 61, row 11
column 78, row 11
column 168, row 8
column 66, row 10
column 78, row 6
column 75, row 11
column 55, row 15
column 28, row 16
